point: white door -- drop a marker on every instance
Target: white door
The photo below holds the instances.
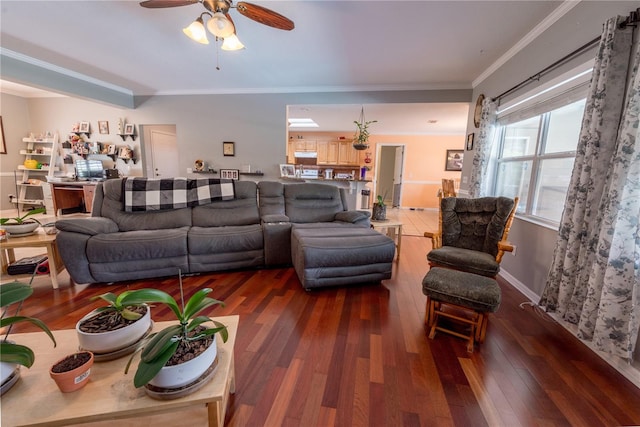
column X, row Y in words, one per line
column 160, row 151
column 397, row 176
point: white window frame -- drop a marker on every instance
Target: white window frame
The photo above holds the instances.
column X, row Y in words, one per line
column 566, row 89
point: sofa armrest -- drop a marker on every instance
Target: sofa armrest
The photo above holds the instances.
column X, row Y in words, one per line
column 90, row 226
column 352, row 216
column 274, row 218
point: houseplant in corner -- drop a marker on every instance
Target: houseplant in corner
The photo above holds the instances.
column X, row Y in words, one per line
column 21, row 224
column 181, row 356
column 13, row 355
column 111, row 331
column 379, row 210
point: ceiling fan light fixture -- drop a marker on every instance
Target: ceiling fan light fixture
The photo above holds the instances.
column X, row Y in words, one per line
column 232, row 43
column 195, row 31
column 220, row 26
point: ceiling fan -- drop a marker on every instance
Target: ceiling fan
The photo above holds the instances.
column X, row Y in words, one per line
column 220, row 23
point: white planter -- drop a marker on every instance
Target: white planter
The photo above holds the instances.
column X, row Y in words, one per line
column 20, row 228
column 108, row 342
column 185, row 373
column 9, row 374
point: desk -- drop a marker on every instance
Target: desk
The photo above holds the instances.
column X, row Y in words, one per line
column 72, row 194
column 38, row 240
column 393, row 230
column 36, row 401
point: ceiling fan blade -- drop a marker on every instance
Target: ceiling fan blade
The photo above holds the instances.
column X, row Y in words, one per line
column 264, row 16
column 156, row 4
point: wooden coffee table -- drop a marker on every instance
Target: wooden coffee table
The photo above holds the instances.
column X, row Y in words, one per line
column 35, row 400
column 37, row 240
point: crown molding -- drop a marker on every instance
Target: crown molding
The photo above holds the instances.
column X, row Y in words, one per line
column 544, row 25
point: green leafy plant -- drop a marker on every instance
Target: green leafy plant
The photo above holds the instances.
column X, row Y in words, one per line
column 15, row 293
column 121, row 303
column 161, row 346
column 22, row 219
column 362, row 134
column 380, row 200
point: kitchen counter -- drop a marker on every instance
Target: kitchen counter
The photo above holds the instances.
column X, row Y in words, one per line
column 354, row 190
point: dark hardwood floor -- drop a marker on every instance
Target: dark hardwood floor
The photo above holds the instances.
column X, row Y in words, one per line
column 359, row 356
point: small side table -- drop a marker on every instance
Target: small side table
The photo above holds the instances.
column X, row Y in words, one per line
column 393, row 229
column 37, row 240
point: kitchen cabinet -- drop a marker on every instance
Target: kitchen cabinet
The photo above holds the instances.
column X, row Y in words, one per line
column 305, row 145
column 327, row 152
column 347, row 155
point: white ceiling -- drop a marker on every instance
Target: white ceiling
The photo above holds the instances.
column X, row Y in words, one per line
column 335, row 46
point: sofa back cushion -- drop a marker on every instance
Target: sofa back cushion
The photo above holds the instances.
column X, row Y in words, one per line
column 271, row 198
column 243, row 210
column 312, row 202
column 113, row 208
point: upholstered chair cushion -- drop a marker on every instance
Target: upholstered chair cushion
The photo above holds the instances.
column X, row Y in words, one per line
column 475, row 224
column 464, row 289
column 475, row 262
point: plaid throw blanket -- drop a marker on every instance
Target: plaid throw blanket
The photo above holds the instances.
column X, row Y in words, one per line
column 143, row 194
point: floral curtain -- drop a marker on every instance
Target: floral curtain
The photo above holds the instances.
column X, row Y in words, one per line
column 478, row 179
column 594, row 279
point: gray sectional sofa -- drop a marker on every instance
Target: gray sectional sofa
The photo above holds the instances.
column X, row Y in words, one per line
column 252, row 230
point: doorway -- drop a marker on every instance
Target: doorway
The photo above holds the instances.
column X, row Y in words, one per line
column 389, row 173
column 159, row 151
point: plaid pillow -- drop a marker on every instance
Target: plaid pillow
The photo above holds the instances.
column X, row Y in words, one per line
column 144, row 194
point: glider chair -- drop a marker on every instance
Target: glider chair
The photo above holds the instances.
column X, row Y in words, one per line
column 472, row 234
column 465, row 259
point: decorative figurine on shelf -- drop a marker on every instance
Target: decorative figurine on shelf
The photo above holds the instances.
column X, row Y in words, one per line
column 120, row 126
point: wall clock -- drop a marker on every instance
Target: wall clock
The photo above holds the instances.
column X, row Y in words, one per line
column 477, row 113
column 228, row 149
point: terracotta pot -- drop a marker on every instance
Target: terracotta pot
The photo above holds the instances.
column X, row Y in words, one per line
column 74, row 379
column 111, row 341
column 185, row 373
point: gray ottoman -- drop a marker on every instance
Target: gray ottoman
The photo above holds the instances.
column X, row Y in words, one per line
column 337, row 256
column 470, row 298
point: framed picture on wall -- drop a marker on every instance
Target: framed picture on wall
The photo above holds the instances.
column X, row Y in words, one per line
column 84, row 127
column 3, row 147
column 454, row 160
column 129, row 129
column 230, row 174
column 103, row 126
column 470, row 141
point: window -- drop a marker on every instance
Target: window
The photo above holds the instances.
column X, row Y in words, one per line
column 535, row 159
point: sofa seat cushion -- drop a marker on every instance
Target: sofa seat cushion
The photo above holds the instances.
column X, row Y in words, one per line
column 468, row 290
column 137, row 245
column 339, row 256
column 475, row 262
column 133, row 255
column 225, row 248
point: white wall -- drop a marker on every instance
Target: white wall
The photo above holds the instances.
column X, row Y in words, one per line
column 256, row 123
column 535, row 243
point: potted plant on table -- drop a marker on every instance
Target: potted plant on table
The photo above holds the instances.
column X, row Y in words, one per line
column 107, row 330
column 22, row 224
column 379, row 210
column 180, row 355
column 13, row 355
column 72, row 372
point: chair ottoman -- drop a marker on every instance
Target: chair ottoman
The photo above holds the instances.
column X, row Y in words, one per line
column 460, row 296
column 337, row 256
